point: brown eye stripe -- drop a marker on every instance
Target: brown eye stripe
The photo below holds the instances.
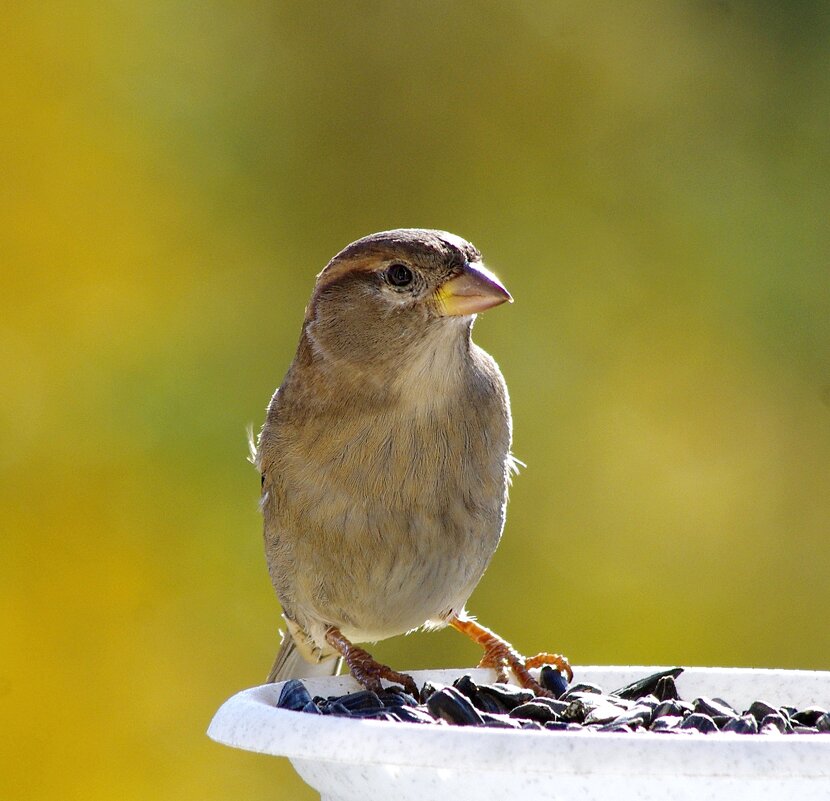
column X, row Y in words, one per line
column 337, row 268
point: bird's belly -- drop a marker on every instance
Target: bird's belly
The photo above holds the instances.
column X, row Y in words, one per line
column 376, row 561
column 379, row 529
column 390, row 572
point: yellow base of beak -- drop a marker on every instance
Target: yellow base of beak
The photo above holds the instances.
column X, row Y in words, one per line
column 474, row 290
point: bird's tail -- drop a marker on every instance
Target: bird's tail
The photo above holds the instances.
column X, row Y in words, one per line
column 290, row 664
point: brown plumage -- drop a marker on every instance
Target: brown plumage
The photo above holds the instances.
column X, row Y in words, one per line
column 385, row 455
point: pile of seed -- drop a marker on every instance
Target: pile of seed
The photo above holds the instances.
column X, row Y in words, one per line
column 650, row 704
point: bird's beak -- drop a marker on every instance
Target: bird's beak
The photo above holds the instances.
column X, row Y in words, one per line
column 474, row 290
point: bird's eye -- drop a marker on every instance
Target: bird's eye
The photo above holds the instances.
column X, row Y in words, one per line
column 399, row 275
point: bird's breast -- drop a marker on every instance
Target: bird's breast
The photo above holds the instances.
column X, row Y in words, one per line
column 382, row 522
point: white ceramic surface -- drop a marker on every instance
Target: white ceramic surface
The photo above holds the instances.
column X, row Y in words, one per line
column 361, row 760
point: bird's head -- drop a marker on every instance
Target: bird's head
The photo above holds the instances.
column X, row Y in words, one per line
column 391, row 291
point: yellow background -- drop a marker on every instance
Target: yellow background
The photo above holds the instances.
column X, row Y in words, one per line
column 651, row 181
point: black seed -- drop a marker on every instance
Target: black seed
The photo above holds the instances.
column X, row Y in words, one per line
column 338, row 709
column 584, row 704
column 649, row 701
column 555, row 706
column 367, row 699
column 721, row 720
column 713, row 708
column 370, row 713
column 742, row 725
column 395, row 697
column 581, row 687
column 646, row 686
column 466, row 686
column 373, row 714
column 484, row 702
column 427, row 690
column 638, row 716
column 666, row 689
column 604, row 713
column 777, row 721
column 293, row 695
column 699, row 722
column 633, row 721
column 489, row 703
column 583, row 707
column 575, row 712
column 450, row 705
column 614, row 726
column 760, row 709
column 808, row 716
column 559, row 725
column 532, row 710
column 410, row 715
column 670, row 707
column 500, row 721
column 666, row 723
column 504, row 694
column 553, row 681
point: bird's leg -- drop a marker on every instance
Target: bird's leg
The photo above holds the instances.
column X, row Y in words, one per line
column 364, row 668
column 501, row 655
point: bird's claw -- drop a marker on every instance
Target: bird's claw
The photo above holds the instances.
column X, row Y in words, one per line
column 366, row 670
column 502, row 656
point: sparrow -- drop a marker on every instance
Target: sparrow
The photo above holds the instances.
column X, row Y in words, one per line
column 385, row 459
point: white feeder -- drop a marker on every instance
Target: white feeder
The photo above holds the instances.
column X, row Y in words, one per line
column 361, row 760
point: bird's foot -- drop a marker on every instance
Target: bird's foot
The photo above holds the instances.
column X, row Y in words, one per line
column 502, row 656
column 366, row 670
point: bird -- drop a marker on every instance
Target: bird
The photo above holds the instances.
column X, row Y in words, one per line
column 385, row 460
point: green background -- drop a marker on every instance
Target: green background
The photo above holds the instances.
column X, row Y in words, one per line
column 651, row 180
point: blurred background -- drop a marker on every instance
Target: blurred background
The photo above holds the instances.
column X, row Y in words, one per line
column 652, row 183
